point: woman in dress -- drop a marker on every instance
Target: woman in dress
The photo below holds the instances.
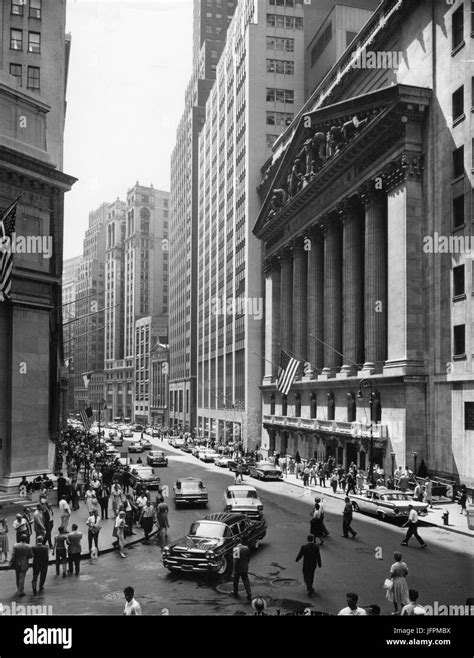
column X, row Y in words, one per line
column 3, row 540
column 60, row 549
column 399, row 592
column 119, row 532
column 317, row 526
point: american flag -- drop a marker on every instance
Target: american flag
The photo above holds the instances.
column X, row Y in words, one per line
column 287, row 372
column 6, row 256
column 86, row 415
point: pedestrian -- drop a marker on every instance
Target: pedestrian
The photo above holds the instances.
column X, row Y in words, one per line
column 403, row 481
column 418, row 493
column 312, row 475
column 350, row 484
column 360, row 481
column 60, row 549
column 74, row 540
column 306, row 473
column 316, row 525
column 104, row 501
column 429, row 492
column 61, row 483
column 119, row 532
column 116, row 493
column 64, row 512
column 241, row 555
column 399, row 590
column 321, row 507
column 322, row 476
column 4, row 545
column 333, row 481
column 162, row 518
column 40, row 564
column 147, row 517
column 48, row 516
column 21, row 555
column 38, row 521
column 23, row 487
column 21, row 527
column 463, row 499
column 132, row 607
column 412, row 524
column 352, row 609
column 141, row 503
column 94, row 527
column 413, row 608
column 347, row 519
column 311, row 559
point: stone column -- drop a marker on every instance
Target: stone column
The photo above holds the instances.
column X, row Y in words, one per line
column 315, row 303
column 375, row 279
column 286, row 301
column 352, row 288
column 300, row 281
column 332, row 298
column 272, row 318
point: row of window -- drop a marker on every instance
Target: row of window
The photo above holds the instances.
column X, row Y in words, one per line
column 280, row 66
column 288, row 22
column 33, row 75
column 279, row 118
column 457, row 25
column 285, row 3
column 280, row 43
column 18, row 8
column 280, row 96
column 16, row 41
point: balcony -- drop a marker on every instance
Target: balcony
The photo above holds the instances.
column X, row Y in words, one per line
column 355, row 429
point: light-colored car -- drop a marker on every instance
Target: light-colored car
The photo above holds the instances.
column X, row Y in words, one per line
column 177, row 441
column 208, row 455
column 386, row 503
column 265, row 471
column 135, row 446
column 112, row 452
column 128, row 434
column 190, row 491
column 243, row 498
column 146, row 443
column 144, row 475
column 117, row 440
column 223, row 461
column 156, row 458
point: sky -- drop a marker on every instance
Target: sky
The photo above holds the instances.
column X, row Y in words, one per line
column 129, row 67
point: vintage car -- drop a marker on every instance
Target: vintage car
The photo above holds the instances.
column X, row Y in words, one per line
column 190, row 491
column 135, row 446
column 245, row 463
column 187, row 448
column 111, row 451
column 144, row 475
column 209, row 545
column 146, row 444
column 243, row 498
column 177, row 442
column 223, row 461
column 208, row 455
column 387, row 503
column 112, row 433
column 156, row 458
column 265, row 471
column 128, row 433
column 155, row 434
column 196, row 449
column 117, row 440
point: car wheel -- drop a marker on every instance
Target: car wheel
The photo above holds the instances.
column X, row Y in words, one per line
column 224, row 565
column 355, row 507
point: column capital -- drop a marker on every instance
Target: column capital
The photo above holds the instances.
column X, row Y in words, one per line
column 270, row 264
column 369, row 194
column 284, row 254
column 409, row 166
column 333, row 220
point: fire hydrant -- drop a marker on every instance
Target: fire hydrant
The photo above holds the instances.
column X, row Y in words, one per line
column 445, row 517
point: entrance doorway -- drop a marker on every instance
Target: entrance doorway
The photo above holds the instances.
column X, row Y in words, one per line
column 351, row 455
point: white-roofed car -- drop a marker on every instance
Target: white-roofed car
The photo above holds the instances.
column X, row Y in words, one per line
column 386, row 503
column 156, row 458
column 223, row 461
column 243, row 498
column 208, row 455
column 135, row 446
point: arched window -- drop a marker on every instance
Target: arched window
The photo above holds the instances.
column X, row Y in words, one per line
column 313, row 406
column 272, row 404
column 331, row 406
column 284, row 405
column 297, row 405
column 351, row 408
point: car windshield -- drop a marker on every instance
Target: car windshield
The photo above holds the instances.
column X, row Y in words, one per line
column 189, row 486
column 396, row 496
column 243, row 494
column 205, row 529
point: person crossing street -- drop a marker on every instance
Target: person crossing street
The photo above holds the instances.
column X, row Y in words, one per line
column 311, row 559
column 347, row 519
column 412, row 524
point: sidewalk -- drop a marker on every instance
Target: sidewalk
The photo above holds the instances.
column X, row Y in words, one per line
column 457, row 523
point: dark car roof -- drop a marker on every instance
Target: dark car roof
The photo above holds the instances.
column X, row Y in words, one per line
column 225, row 517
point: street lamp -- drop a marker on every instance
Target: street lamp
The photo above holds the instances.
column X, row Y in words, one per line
column 392, row 455
column 105, row 407
column 366, row 383
column 415, row 457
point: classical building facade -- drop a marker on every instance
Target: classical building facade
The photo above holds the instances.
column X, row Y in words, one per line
column 376, row 164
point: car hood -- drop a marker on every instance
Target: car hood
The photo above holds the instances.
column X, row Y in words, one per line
column 191, row 543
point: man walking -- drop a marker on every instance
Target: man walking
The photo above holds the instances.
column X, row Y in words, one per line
column 74, row 539
column 347, row 519
column 311, row 559
column 38, row 522
column 64, row 512
column 22, row 552
column 241, row 555
column 412, row 524
column 94, row 526
column 132, row 607
column 40, row 564
column 48, row 520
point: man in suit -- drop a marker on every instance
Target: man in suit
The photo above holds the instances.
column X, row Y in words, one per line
column 311, row 559
column 40, row 564
column 38, row 522
column 347, row 519
column 241, row 554
column 74, row 539
column 61, row 482
column 22, row 552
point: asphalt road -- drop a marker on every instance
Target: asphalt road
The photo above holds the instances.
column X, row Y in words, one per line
column 443, row 572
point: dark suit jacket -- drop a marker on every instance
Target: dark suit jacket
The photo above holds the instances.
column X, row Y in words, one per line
column 241, row 564
column 311, row 556
column 40, row 556
column 20, row 556
column 74, row 541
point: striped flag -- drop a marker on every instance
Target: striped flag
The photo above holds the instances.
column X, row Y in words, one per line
column 7, row 223
column 287, row 372
column 86, row 415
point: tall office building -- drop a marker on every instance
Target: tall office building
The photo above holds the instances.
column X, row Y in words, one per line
column 211, row 18
column 69, row 296
column 34, row 55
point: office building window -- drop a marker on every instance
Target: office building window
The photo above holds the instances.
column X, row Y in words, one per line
column 208, row 29
column 280, row 96
column 16, row 72
column 321, row 44
column 458, row 281
column 17, row 7
column 458, row 103
column 33, row 77
column 458, row 27
column 34, row 42
column 280, row 66
column 16, row 39
column 458, row 162
column 459, row 340
column 458, row 211
column 35, row 9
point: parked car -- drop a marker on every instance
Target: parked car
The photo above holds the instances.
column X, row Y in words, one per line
column 208, row 546
column 177, row 442
column 265, row 471
column 387, row 503
column 135, row 446
column 196, row 449
column 144, row 475
column 243, row 498
column 190, row 491
column 146, row 444
column 128, row 434
column 117, row 440
column 155, row 434
column 138, row 428
column 223, row 461
column 186, row 448
column 208, row 455
column 157, row 458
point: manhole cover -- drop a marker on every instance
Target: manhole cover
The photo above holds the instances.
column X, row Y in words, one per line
column 149, row 566
column 286, row 582
column 86, row 577
column 114, row 596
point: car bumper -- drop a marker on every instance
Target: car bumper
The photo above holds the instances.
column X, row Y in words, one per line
column 191, row 500
column 191, row 564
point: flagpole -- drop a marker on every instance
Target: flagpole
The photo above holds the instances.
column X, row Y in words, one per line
column 334, row 350
column 5, row 214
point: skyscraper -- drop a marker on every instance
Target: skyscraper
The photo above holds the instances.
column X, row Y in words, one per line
column 69, row 290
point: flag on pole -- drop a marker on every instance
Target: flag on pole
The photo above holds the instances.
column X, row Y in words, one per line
column 7, row 225
column 86, row 415
column 287, row 372
column 86, row 379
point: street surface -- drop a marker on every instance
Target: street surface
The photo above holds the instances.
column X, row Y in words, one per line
column 443, row 572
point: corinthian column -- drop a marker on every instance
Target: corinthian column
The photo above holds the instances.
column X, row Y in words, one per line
column 300, row 280
column 332, row 299
column 272, row 317
column 286, row 300
column 315, row 304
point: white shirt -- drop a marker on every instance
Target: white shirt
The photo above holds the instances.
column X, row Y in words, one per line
column 142, row 501
column 413, row 516
column 132, row 608
column 64, row 507
column 348, row 612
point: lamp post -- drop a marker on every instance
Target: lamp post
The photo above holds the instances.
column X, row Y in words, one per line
column 415, row 457
column 366, row 383
column 392, row 455
column 105, row 407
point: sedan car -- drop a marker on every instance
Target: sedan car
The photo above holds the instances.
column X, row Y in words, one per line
column 209, row 545
column 223, row 461
column 387, row 503
column 265, row 471
column 177, row 442
column 146, row 476
column 117, row 440
column 128, row 434
column 156, row 458
column 112, row 433
column 135, row 446
column 196, row 449
column 208, row 455
column 190, row 491
column 244, row 499
column 235, row 463
column 146, row 444
column 155, row 434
